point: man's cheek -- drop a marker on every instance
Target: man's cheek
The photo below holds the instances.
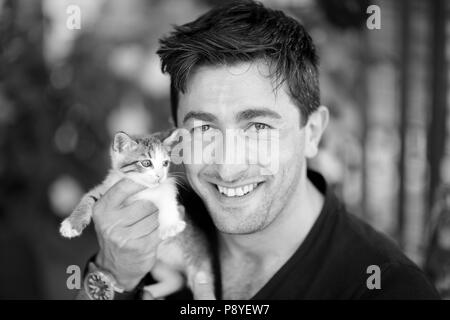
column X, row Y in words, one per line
column 281, row 156
column 195, row 174
column 193, row 169
column 265, row 152
column 288, row 157
column 192, row 175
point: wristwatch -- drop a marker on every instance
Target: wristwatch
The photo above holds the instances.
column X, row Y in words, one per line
column 100, row 284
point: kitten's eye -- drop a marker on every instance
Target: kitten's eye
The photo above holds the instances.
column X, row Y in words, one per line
column 146, row 163
column 165, row 163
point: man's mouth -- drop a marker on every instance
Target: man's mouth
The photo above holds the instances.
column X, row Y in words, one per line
column 237, row 191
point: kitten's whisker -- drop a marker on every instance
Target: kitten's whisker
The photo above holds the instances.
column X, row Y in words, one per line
column 177, row 173
column 182, row 176
column 181, row 185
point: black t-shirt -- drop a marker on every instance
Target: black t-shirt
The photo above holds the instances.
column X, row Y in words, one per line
column 332, row 262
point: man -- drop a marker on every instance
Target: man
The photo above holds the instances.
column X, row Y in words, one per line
column 281, row 234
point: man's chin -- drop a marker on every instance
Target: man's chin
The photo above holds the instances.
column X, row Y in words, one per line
column 236, row 229
column 236, row 220
column 235, row 214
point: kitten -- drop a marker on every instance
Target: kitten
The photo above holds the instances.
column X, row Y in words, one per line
column 145, row 160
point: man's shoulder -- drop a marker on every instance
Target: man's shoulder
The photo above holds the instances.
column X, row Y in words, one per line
column 401, row 281
column 365, row 252
column 365, row 243
column 348, row 235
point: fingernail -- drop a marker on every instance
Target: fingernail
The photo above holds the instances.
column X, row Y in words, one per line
column 148, row 294
column 201, row 278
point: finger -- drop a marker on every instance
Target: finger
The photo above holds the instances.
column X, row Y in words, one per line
column 203, row 287
column 182, row 211
column 150, row 240
column 137, row 211
column 119, row 192
column 161, row 290
column 143, row 227
column 167, row 280
column 147, row 295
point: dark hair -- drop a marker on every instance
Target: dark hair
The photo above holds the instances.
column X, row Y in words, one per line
column 244, row 31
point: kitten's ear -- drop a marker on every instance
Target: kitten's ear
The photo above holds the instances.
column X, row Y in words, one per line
column 172, row 138
column 123, row 142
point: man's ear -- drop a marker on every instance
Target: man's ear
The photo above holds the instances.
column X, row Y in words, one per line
column 314, row 128
column 122, row 142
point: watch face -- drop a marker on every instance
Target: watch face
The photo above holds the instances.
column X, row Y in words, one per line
column 98, row 286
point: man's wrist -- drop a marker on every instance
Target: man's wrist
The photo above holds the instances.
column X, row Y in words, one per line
column 128, row 284
column 97, row 279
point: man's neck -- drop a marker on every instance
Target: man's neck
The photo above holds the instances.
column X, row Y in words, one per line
column 271, row 247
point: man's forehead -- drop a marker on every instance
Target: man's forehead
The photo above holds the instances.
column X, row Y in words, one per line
column 227, row 89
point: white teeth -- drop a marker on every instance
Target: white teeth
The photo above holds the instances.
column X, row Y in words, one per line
column 239, row 192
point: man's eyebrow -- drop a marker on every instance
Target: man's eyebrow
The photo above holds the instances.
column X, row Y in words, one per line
column 249, row 114
column 200, row 115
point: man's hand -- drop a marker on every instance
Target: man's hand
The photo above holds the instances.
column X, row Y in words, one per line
column 202, row 288
column 127, row 234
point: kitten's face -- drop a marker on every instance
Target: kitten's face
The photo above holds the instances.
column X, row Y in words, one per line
column 144, row 159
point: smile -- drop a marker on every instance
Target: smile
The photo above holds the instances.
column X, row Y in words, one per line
column 237, row 192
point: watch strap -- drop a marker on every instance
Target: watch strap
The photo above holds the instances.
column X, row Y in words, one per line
column 135, row 294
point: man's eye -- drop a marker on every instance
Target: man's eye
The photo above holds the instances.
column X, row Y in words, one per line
column 260, row 126
column 202, row 128
column 146, row 163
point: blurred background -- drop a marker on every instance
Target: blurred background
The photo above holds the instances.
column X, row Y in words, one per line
column 65, row 91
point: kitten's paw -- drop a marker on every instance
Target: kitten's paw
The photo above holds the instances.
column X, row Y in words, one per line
column 68, row 231
column 171, row 230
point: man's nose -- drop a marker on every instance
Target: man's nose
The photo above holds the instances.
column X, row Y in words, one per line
column 231, row 172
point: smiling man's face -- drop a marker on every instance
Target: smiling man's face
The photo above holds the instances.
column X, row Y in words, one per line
column 243, row 198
